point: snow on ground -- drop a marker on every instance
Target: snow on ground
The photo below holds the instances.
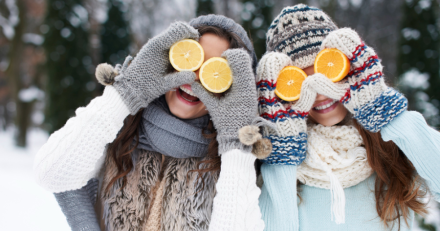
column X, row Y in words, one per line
column 25, row 206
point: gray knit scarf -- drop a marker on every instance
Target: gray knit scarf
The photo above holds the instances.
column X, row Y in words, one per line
column 164, row 133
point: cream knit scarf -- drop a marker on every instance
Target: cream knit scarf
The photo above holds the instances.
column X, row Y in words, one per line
column 336, row 159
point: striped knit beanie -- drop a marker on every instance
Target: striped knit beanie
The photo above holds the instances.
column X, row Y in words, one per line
column 298, row 32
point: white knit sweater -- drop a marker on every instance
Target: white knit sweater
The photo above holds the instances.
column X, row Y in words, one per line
column 75, row 154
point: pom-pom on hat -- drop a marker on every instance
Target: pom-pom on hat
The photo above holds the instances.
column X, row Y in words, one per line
column 298, row 31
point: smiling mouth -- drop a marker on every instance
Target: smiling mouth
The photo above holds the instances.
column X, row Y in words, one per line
column 186, row 95
column 327, row 107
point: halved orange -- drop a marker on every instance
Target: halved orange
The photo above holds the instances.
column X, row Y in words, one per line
column 216, row 75
column 289, row 83
column 186, row 55
column 332, row 63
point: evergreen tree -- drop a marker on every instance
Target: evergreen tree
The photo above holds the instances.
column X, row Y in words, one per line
column 257, row 16
column 418, row 60
column 69, row 66
column 115, row 35
column 204, row 7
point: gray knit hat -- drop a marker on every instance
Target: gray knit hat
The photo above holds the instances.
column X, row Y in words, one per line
column 298, row 31
column 230, row 26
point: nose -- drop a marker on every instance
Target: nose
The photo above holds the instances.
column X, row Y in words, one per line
column 197, row 75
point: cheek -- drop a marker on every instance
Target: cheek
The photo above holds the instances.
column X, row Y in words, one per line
column 184, row 111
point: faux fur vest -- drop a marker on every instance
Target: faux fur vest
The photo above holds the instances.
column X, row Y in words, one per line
column 157, row 195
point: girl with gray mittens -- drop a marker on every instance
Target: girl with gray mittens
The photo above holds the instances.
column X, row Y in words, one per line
column 158, row 150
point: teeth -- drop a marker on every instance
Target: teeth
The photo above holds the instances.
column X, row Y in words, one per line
column 187, row 91
column 189, row 99
column 325, row 106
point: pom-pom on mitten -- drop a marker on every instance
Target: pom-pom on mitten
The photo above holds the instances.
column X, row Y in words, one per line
column 146, row 78
column 105, row 74
column 368, row 98
column 238, row 107
column 249, row 134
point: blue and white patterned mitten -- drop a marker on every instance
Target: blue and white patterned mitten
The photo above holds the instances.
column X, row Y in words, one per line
column 278, row 201
column 368, row 98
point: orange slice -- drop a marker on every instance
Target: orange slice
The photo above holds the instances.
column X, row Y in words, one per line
column 332, row 63
column 186, row 55
column 215, row 75
column 289, row 83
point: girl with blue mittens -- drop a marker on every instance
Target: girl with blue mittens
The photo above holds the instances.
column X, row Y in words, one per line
column 361, row 159
column 160, row 151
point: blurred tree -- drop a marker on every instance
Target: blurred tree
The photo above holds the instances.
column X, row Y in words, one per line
column 15, row 73
column 257, row 16
column 418, row 60
column 115, row 35
column 68, row 65
column 204, row 7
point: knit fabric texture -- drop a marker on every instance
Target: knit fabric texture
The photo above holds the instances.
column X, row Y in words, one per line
column 368, row 98
column 77, row 206
column 147, row 77
column 289, row 140
column 298, row 32
column 418, row 142
column 74, row 154
column 184, row 137
column 229, row 25
column 238, row 107
column 339, row 149
column 336, row 159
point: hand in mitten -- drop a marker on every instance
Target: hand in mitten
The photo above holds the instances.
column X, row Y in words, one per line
column 278, row 201
column 289, row 140
column 367, row 97
column 238, row 107
column 146, row 78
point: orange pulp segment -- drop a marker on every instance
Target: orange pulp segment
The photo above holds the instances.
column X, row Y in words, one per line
column 186, row 55
column 216, row 75
column 332, row 63
column 289, row 83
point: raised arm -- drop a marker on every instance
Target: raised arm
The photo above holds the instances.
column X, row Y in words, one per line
column 74, row 154
column 235, row 205
column 420, row 143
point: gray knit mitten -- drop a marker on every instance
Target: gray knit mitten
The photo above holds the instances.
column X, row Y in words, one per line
column 146, row 78
column 238, row 107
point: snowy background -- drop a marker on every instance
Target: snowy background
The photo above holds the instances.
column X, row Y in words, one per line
column 37, row 37
column 25, row 206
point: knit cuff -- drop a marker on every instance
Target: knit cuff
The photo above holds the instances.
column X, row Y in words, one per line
column 289, row 150
column 130, row 97
column 226, row 144
column 374, row 115
column 114, row 100
column 237, row 161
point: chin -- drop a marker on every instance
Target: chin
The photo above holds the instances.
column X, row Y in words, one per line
column 329, row 118
column 182, row 108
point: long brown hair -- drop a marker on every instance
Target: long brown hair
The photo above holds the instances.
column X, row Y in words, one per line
column 121, row 148
column 397, row 186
